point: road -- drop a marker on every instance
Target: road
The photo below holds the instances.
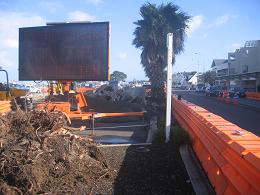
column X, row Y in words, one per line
column 244, row 117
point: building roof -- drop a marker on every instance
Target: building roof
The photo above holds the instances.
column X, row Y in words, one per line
column 218, row 62
column 252, row 43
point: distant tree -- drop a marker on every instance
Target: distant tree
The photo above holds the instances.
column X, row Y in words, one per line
column 209, row 77
column 118, row 76
column 151, row 35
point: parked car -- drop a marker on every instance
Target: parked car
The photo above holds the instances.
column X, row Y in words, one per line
column 237, row 91
column 200, row 88
column 214, row 91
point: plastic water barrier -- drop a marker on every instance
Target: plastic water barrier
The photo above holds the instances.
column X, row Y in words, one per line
column 229, row 155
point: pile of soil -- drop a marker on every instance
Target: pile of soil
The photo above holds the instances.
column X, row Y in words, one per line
column 39, row 155
column 101, row 104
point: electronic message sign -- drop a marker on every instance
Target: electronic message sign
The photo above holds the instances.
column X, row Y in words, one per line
column 68, row 51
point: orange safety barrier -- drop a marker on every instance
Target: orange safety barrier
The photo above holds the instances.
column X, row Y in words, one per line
column 62, row 106
column 5, row 106
column 84, row 89
column 253, row 95
column 88, row 115
column 229, row 155
column 65, row 107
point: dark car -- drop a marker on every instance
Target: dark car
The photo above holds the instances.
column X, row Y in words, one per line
column 237, row 92
column 214, row 91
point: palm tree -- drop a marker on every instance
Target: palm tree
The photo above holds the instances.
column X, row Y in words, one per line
column 150, row 37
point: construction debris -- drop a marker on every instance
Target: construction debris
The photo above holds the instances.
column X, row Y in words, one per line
column 118, row 95
column 39, row 155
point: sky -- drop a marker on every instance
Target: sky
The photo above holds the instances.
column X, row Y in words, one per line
column 217, row 27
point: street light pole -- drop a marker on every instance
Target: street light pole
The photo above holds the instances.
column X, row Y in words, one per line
column 198, row 61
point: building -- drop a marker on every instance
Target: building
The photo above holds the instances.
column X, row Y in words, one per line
column 220, row 66
column 242, row 68
column 196, row 79
column 184, row 79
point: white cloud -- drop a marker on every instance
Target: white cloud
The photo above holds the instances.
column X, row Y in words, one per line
column 236, row 45
column 10, row 22
column 50, row 5
column 81, row 16
column 6, row 59
column 194, row 24
column 11, row 42
column 95, row 2
column 225, row 18
column 221, row 20
column 122, row 55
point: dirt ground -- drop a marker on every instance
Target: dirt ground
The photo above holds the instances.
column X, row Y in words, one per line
column 158, row 170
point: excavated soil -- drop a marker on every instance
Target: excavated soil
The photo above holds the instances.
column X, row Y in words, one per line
column 38, row 156
column 101, row 104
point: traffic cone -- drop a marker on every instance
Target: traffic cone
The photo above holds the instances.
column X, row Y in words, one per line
column 227, row 99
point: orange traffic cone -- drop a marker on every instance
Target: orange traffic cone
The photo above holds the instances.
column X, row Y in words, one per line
column 235, row 101
column 227, row 99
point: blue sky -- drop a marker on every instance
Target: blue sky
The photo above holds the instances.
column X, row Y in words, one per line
column 218, row 27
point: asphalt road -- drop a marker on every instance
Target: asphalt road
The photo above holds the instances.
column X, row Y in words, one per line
column 244, row 117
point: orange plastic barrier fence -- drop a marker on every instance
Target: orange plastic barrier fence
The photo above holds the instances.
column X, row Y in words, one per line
column 253, row 95
column 229, row 155
column 62, row 106
column 84, row 89
column 5, row 106
column 65, row 107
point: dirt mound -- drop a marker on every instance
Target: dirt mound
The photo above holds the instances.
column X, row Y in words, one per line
column 101, row 104
column 39, row 155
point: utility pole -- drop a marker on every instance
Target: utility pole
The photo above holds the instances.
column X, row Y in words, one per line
column 198, row 61
column 169, row 86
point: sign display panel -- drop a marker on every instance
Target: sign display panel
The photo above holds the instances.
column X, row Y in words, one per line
column 69, row 51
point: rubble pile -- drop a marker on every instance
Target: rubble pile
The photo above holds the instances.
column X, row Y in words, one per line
column 119, row 95
column 38, row 155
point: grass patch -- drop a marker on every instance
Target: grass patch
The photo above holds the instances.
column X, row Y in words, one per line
column 178, row 136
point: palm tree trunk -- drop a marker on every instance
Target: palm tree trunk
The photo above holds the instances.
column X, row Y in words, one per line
column 157, row 84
